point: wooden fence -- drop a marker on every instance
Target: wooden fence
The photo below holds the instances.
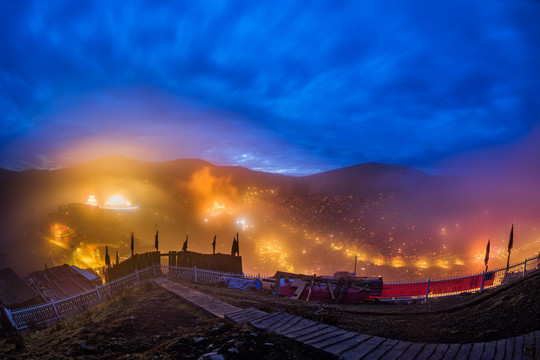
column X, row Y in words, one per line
column 136, row 262
column 216, row 262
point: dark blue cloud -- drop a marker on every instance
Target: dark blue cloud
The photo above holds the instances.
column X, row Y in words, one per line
column 325, row 85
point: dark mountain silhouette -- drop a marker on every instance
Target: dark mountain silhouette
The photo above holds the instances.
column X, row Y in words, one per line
column 357, row 179
column 368, row 177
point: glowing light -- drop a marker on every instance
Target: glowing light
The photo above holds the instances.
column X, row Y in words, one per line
column 270, row 250
column 117, row 202
column 218, row 208
column 398, row 262
column 443, row 264
column 91, row 200
column 242, row 223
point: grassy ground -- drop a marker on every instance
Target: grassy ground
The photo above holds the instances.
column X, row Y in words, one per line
column 506, row 311
column 149, row 323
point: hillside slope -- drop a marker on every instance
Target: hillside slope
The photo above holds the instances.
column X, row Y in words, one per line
column 150, row 323
column 499, row 313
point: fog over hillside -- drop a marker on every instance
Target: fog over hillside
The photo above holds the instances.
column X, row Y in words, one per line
column 400, row 222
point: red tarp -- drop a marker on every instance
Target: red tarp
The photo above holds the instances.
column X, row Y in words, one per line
column 438, row 287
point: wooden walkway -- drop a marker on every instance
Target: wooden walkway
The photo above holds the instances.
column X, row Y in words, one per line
column 351, row 345
column 206, row 302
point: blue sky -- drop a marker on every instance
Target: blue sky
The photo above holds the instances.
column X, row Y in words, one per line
column 280, row 86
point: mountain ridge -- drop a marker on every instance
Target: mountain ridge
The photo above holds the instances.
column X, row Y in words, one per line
column 114, row 159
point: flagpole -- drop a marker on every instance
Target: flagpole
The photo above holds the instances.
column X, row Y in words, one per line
column 486, row 259
column 510, row 245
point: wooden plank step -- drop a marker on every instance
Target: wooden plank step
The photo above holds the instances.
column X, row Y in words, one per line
column 247, row 315
column 382, row 349
column 518, row 348
column 346, row 345
column 301, row 333
column 320, row 334
column 303, row 324
column 464, row 351
column 330, row 335
column 426, row 352
column 509, row 353
column 489, row 350
column 413, row 350
column 240, row 314
column 501, row 349
column 440, row 349
column 477, row 350
column 397, row 350
column 335, row 340
column 285, row 320
column 452, row 351
column 363, row 349
column 284, row 327
column 269, row 320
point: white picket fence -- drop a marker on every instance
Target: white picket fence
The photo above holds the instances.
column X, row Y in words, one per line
column 55, row 310
column 41, row 314
column 202, row 276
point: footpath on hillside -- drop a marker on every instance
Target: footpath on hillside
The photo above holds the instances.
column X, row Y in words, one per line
column 499, row 313
column 353, row 345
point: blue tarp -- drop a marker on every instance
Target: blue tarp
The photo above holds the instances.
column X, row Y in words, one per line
column 239, row 283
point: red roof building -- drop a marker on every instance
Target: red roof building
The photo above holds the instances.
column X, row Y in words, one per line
column 59, row 282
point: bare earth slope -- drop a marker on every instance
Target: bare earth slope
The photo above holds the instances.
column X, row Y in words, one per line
column 149, row 323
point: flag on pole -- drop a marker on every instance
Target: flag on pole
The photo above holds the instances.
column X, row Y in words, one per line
column 486, row 259
column 510, row 245
column 107, row 257
column 184, row 247
column 234, row 249
column 511, row 242
column 214, row 245
column 132, row 243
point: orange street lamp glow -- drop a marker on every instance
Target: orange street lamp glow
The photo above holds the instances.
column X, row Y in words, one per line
column 91, row 200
